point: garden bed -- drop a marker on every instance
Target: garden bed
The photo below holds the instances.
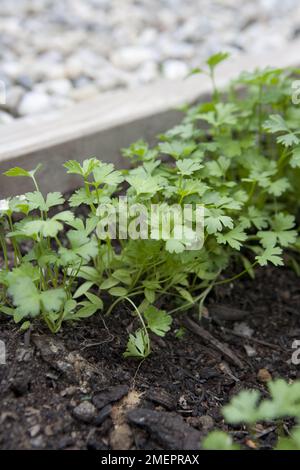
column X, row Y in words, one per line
column 168, row 401
column 78, row 388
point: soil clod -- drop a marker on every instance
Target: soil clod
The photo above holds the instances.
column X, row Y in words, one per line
column 168, row 429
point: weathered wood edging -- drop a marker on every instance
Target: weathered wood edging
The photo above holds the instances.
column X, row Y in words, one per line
column 102, row 126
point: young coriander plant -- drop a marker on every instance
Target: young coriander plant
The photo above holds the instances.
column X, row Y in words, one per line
column 247, row 408
column 238, row 155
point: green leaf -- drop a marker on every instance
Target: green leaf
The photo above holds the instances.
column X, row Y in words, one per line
column 65, row 216
column 44, row 228
column 86, row 311
column 284, row 401
column 215, row 220
column 234, row 237
column 138, row 345
column 270, row 255
column 177, row 148
column 95, row 300
column 26, row 297
column 109, row 283
column 83, row 170
column 104, row 174
column 148, row 187
column 83, row 289
column 118, row 291
column 123, row 276
column 53, row 300
column 278, row 187
column 36, row 200
column 295, row 160
column 243, row 408
column 17, row 171
column 25, row 326
column 158, row 321
column 257, row 217
column 29, row 301
column 290, row 443
column 185, row 294
column 81, row 197
column 188, row 166
column 216, row 59
column 150, row 295
column 281, row 231
column 288, row 139
column 275, row 124
column 54, row 199
column 175, row 246
column 195, row 71
column 218, row 440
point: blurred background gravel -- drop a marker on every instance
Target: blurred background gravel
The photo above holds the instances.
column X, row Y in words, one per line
column 57, row 52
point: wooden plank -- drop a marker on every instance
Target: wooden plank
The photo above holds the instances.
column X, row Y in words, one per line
column 104, row 125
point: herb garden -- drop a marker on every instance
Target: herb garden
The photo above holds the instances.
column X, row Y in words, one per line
column 143, row 343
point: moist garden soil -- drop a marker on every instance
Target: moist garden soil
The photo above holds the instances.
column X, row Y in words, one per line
column 76, row 391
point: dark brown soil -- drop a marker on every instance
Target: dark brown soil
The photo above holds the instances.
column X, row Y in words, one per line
column 170, row 400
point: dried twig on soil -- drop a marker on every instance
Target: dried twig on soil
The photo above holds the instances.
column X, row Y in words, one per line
column 206, row 336
column 254, row 340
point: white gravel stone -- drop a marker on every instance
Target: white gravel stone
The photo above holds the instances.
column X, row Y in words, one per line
column 5, row 118
column 148, row 72
column 175, row 69
column 84, row 93
column 13, row 98
column 130, row 58
column 72, row 49
column 34, row 103
column 60, row 87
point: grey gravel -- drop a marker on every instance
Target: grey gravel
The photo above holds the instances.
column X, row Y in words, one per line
column 57, row 52
column 85, row 412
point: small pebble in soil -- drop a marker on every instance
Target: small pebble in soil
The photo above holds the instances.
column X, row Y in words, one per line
column 250, row 351
column 101, row 417
column 34, row 431
column 204, row 423
column 264, row 375
column 110, row 395
column 85, row 412
column 37, row 442
column 20, row 383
